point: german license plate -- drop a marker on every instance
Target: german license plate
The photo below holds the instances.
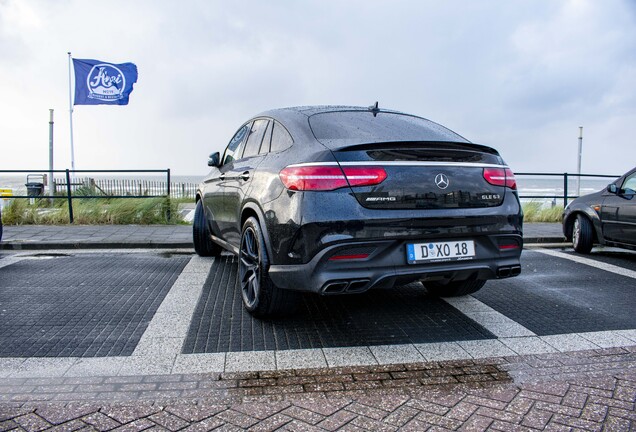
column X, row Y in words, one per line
column 440, row 251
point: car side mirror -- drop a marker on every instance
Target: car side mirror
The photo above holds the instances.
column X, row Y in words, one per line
column 612, row 188
column 215, row 160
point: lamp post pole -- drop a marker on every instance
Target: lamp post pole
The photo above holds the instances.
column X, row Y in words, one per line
column 51, row 180
column 578, row 169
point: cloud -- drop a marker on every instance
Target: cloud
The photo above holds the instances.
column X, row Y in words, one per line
column 520, row 76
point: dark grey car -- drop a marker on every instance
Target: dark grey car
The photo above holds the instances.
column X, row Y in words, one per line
column 607, row 217
column 339, row 200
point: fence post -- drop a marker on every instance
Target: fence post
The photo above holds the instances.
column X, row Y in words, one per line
column 565, row 190
column 68, row 194
column 168, row 214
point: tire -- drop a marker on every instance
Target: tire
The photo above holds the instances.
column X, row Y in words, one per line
column 261, row 297
column 454, row 289
column 582, row 235
column 203, row 244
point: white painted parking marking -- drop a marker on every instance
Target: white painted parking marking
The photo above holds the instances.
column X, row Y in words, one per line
column 493, row 321
column 590, row 262
column 10, row 260
column 169, row 326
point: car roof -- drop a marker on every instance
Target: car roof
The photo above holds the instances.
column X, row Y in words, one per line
column 302, row 112
column 296, row 119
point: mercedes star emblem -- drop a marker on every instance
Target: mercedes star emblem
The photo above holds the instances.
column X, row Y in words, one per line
column 441, row 181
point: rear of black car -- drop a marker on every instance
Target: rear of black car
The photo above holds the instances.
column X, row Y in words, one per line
column 398, row 199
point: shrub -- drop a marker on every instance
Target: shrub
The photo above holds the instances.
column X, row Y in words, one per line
column 536, row 212
column 93, row 211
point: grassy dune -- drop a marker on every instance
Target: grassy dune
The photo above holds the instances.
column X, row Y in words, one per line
column 123, row 211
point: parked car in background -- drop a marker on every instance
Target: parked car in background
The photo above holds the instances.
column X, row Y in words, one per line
column 607, row 217
column 338, row 200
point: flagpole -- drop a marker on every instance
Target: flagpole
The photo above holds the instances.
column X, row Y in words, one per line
column 70, row 110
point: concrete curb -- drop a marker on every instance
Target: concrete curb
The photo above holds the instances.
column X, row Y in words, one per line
column 94, row 245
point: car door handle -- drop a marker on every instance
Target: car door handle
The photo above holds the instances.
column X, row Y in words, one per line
column 245, row 176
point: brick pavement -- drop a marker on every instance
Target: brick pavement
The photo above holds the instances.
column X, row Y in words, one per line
column 577, row 391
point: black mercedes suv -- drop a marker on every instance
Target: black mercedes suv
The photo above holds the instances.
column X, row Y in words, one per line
column 339, row 200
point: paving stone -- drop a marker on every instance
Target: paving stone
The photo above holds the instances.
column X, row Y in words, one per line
column 71, row 426
column 100, row 421
column 300, row 426
column 476, row 423
column 128, row 413
column 434, row 419
column 8, row 425
column 32, row 422
column 273, row 423
column 302, row 414
column 366, row 423
column 208, row 424
column 59, row 415
column 337, row 420
column 416, row 426
column 401, row 416
column 618, row 424
column 137, row 425
column 168, row 421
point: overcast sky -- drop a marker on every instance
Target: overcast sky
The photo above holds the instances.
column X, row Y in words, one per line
column 520, row 76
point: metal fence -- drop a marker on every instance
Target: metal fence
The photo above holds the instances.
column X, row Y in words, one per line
column 78, row 184
column 565, row 181
column 126, row 187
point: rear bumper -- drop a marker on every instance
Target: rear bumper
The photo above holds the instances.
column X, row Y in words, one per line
column 386, row 265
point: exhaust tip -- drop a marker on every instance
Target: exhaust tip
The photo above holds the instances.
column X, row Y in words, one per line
column 335, row 287
column 358, row 286
column 504, row 272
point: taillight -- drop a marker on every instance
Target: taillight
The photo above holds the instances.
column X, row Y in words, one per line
column 329, row 177
column 500, row 177
column 364, row 176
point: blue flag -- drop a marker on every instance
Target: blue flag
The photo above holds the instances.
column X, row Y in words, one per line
column 101, row 83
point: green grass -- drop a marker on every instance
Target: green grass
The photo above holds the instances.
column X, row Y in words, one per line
column 535, row 212
column 122, row 211
column 149, row 211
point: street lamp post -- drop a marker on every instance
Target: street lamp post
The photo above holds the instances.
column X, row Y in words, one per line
column 578, row 169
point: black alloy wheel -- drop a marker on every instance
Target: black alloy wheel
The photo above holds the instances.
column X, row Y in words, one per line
column 454, row 289
column 582, row 235
column 260, row 296
column 203, row 244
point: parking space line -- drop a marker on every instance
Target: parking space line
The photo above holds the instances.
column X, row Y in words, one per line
column 493, row 321
column 10, row 260
column 169, row 327
column 590, row 262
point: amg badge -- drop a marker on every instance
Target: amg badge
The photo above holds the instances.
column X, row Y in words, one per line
column 381, row 199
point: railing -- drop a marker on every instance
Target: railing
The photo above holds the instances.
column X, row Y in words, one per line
column 91, row 188
column 139, row 188
column 566, row 177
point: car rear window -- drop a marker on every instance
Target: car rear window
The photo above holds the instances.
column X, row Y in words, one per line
column 357, row 127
